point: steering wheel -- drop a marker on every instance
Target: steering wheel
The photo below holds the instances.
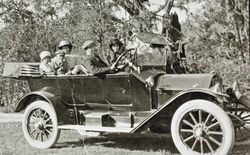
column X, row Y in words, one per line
column 124, row 57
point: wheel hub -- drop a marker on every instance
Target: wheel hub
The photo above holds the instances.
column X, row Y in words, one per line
column 200, row 131
column 40, row 125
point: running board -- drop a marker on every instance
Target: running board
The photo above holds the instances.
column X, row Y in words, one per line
column 95, row 128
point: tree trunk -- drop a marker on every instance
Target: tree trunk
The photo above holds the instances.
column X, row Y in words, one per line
column 166, row 19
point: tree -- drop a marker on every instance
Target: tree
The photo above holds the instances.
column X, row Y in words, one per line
column 218, row 37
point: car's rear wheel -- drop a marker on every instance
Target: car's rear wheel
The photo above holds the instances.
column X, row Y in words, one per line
column 40, row 126
column 202, row 127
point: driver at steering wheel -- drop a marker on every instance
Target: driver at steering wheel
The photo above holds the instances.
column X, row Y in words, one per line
column 116, row 48
column 92, row 63
column 120, row 55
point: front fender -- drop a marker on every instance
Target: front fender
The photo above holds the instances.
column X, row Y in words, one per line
column 58, row 105
column 170, row 106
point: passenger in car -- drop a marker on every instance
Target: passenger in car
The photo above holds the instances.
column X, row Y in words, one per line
column 91, row 62
column 66, row 46
column 72, row 59
column 59, row 63
column 45, row 65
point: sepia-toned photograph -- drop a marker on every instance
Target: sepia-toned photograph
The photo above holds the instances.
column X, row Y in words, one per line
column 124, row 77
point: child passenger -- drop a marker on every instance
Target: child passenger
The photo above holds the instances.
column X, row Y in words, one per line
column 45, row 65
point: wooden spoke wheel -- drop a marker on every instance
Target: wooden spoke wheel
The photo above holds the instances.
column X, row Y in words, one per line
column 202, row 127
column 40, row 126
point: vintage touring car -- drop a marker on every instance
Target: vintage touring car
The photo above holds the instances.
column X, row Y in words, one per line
column 202, row 117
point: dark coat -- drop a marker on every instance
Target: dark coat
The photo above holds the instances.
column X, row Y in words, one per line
column 95, row 65
column 60, row 67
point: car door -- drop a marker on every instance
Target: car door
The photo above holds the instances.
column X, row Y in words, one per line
column 108, row 91
column 117, row 91
column 71, row 90
column 93, row 91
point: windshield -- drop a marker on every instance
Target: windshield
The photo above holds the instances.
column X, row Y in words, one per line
column 150, row 49
column 151, row 56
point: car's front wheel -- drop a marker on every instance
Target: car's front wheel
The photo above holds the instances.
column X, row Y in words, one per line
column 202, row 127
column 40, row 126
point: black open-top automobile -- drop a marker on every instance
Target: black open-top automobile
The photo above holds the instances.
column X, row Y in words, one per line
column 201, row 116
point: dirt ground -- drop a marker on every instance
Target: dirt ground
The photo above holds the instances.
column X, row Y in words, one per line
column 70, row 142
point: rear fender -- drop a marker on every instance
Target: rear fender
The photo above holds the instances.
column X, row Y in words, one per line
column 58, row 105
column 169, row 107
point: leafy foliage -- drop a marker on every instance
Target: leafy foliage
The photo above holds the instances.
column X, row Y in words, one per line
column 218, row 39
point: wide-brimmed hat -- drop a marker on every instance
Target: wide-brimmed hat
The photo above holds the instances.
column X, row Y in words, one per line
column 44, row 54
column 87, row 44
column 60, row 52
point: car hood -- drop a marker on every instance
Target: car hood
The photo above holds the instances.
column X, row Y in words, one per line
column 184, row 81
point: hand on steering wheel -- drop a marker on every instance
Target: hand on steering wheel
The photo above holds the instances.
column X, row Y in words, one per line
column 124, row 57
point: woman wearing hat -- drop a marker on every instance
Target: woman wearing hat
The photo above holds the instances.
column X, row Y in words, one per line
column 116, row 48
column 66, row 46
column 45, row 65
column 72, row 59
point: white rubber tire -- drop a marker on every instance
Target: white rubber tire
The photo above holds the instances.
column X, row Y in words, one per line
column 51, row 112
column 217, row 112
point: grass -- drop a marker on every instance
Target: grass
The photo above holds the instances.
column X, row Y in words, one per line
column 70, row 142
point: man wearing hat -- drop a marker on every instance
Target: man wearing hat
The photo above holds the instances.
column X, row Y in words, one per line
column 45, row 65
column 92, row 62
column 59, row 63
